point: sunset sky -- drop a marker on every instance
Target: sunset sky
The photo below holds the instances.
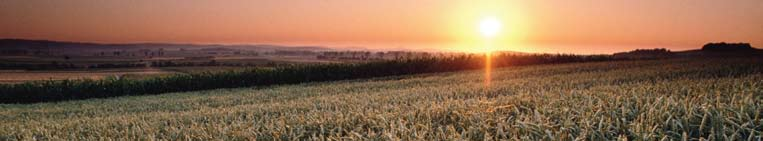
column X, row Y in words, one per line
column 554, row 26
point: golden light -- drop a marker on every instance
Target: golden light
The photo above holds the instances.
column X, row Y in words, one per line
column 486, row 26
column 489, row 27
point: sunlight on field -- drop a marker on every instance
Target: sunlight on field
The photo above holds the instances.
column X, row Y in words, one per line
column 378, row 70
column 633, row 100
column 489, row 27
column 488, row 68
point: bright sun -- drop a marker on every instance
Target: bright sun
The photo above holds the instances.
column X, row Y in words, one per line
column 489, row 27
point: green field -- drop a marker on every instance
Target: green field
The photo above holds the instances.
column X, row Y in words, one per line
column 641, row 100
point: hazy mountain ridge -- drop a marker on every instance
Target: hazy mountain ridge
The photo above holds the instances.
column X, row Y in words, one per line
column 721, row 49
column 714, row 49
column 25, row 44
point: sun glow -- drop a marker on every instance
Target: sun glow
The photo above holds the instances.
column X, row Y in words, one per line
column 489, row 27
column 499, row 24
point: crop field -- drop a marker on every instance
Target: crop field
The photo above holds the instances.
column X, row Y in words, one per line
column 677, row 99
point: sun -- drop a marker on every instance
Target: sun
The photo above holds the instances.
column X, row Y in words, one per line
column 489, row 27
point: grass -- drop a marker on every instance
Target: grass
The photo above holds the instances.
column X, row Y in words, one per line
column 638, row 100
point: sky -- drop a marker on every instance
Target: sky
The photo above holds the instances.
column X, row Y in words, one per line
column 552, row 26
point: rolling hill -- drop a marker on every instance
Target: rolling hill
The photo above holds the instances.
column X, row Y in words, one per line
column 24, row 44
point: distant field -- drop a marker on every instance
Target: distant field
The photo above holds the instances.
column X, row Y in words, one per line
column 20, row 76
column 113, row 59
column 639, row 100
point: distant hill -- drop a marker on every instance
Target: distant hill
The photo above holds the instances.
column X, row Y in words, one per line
column 728, row 47
column 721, row 49
column 645, row 54
column 24, row 44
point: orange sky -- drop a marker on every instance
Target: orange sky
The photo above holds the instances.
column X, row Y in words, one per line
column 564, row 26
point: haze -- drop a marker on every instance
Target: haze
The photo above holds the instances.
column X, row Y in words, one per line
column 580, row 26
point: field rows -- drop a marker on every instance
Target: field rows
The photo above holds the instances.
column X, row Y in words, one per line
column 641, row 100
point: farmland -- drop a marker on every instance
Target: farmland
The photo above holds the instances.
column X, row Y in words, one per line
column 638, row 100
column 53, row 90
column 37, row 68
column 21, row 76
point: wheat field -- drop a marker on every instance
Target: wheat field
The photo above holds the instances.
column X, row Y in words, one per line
column 636, row 100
